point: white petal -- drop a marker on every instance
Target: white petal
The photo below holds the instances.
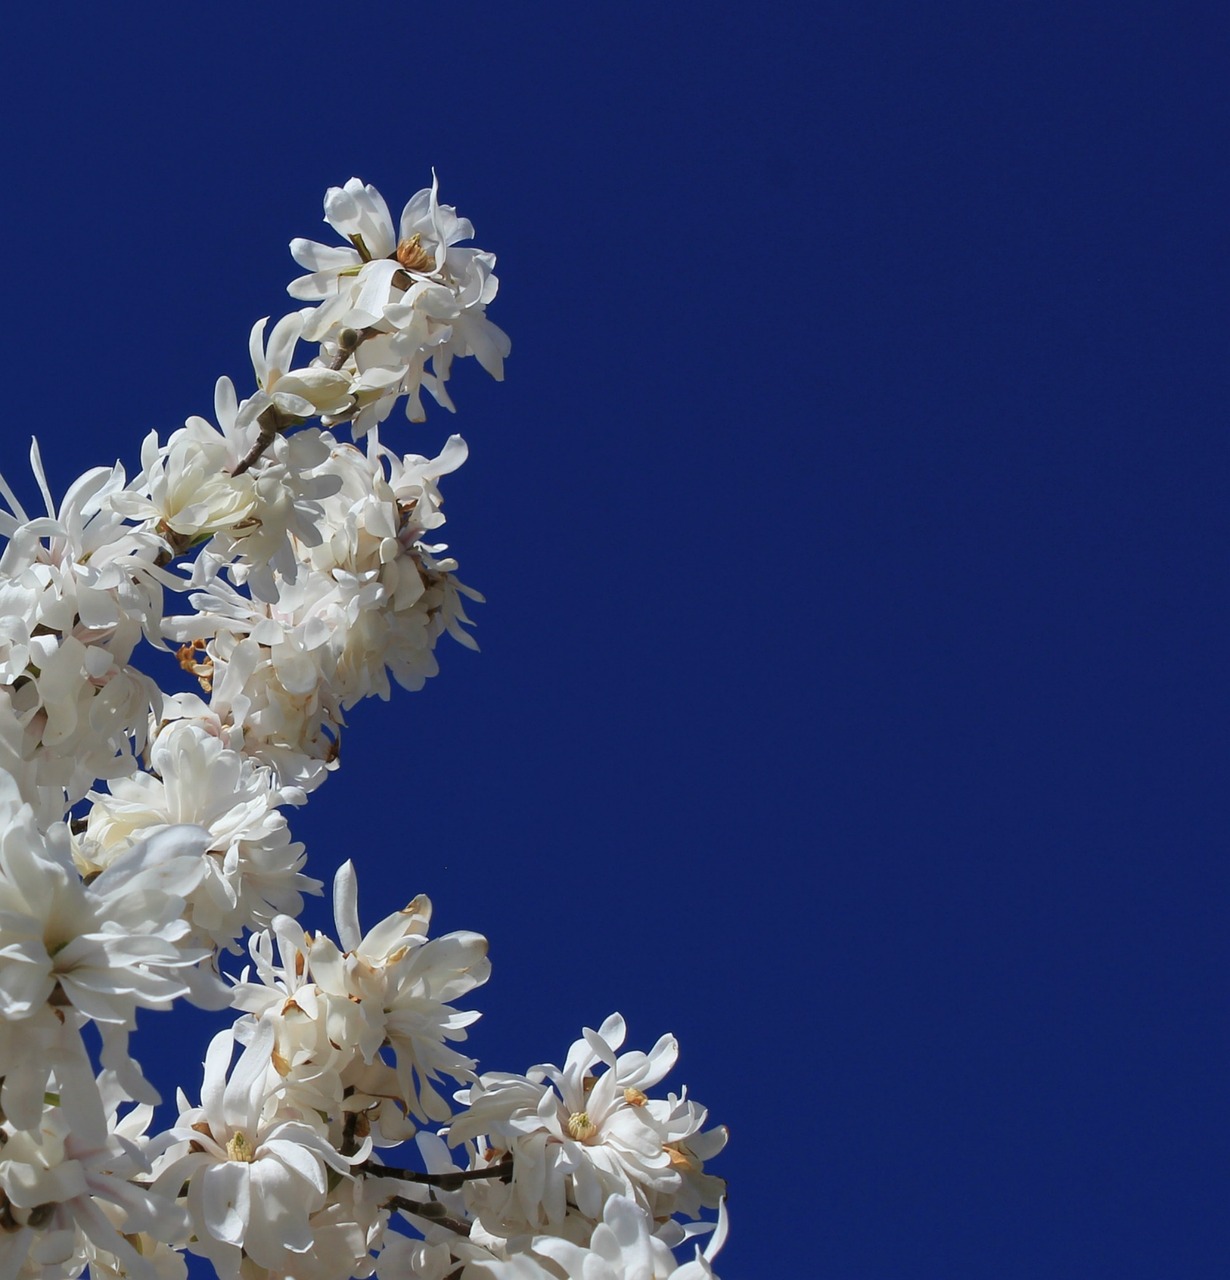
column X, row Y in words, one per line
column 346, row 906
column 226, row 1200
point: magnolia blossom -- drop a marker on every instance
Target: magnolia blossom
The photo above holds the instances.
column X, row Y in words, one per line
column 576, row 1137
column 403, row 982
column 90, row 575
column 80, row 588
column 252, row 869
column 69, row 1195
column 293, row 393
column 103, row 950
column 290, row 481
column 195, row 490
column 367, row 600
column 623, row 1247
column 254, row 1175
column 397, row 298
column 336, row 1010
column 186, row 488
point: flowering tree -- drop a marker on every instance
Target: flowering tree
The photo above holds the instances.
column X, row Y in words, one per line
column 143, row 839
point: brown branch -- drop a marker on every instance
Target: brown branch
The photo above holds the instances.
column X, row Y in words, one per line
column 441, row 1181
column 271, row 423
column 432, row 1210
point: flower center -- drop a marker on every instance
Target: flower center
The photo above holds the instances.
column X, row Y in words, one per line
column 239, row 1148
column 580, row 1126
column 412, row 255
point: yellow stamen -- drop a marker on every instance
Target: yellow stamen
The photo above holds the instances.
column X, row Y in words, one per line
column 239, row 1148
column 680, row 1156
column 580, row 1126
column 412, row 255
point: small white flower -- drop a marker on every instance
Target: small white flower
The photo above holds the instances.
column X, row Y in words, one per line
column 253, row 1177
column 577, row 1138
column 252, row 868
column 63, row 1193
column 403, row 296
column 403, row 982
column 295, row 393
column 623, row 1246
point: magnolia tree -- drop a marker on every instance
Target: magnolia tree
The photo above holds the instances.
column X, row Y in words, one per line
column 144, row 839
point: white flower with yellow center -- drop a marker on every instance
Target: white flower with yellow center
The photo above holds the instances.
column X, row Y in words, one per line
column 577, row 1138
column 254, row 1175
column 402, row 983
column 396, row 298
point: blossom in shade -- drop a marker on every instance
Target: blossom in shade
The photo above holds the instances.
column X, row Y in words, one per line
column 252, row 869
column 103, row 949
column 65, row 1195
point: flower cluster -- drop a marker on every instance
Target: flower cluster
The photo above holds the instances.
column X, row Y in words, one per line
column 144, row 836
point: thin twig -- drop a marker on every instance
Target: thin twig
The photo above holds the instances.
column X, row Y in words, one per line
column 425, row 1209
column 441, row 1181
column 270, row 423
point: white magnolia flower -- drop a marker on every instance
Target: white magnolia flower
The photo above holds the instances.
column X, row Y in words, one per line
column 252, row 868
column 293, row 733
column 360, row 215
column 295, row 393
column 186, row 487
column 365, row 607
column 254, row 1177
column 83, row 715
column 402, row 983
column 80, row 589
column 623, row 1246
column 188, row 492
column 577, row 1138
column 347, row 1233
column 94, row 576
column 103, row 949
column 317, row 1048
column 290, row 481
column 402, row 297
column 65, row 1194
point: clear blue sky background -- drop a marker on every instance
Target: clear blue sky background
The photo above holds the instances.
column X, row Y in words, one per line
column 853, row 526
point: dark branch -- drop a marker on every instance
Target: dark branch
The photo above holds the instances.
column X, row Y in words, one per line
column 441, row 1181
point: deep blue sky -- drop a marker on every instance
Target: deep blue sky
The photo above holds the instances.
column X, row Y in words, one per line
column 852, row 521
